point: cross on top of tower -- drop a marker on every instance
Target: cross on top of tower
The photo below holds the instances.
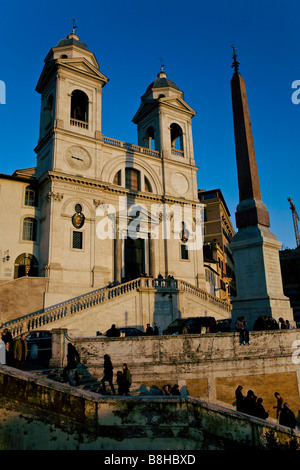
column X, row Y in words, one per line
column 235, row 63
column 161, row 74
column 73, row 19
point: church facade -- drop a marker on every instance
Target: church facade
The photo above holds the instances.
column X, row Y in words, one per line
column 97, row 210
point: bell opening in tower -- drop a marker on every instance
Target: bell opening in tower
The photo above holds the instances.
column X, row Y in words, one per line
column 79, row 106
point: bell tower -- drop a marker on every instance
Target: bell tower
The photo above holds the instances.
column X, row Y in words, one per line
column 164, row 120
column 71, row 103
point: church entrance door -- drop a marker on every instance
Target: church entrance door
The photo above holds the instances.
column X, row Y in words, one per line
column 134, row 258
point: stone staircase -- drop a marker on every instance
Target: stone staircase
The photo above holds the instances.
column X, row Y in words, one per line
column 86, row 380
column 87, row 302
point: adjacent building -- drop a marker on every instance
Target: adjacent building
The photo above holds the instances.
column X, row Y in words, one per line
column 218, row 233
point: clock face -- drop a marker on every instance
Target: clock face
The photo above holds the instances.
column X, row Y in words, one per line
column 78, row 158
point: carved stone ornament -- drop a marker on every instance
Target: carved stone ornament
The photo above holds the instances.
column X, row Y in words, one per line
column 54, row 196
column 78, row 219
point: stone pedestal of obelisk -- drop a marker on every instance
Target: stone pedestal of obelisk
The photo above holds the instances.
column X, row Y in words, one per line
column 255, row 249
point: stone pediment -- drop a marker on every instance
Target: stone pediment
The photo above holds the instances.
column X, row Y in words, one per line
column 80, row 65
column 174, row 103
column 83, row 66
column 179, row 104
column 145, row 108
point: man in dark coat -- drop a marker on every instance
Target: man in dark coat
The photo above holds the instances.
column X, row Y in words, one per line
column 73, row 360
column 113, row 332
column 239, row 398
column 260, row 411
column 20, row 351
column 108, row 374
column 287, row 417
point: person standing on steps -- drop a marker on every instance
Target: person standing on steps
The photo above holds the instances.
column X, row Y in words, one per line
column 278, row 407
column 108, row 374
column 287, row 417
column 20, row 351
column 73, row 360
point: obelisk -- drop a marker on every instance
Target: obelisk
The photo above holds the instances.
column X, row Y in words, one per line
column 255, row 249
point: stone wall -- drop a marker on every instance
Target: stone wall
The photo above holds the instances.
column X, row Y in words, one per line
column 21, row 296
column 207, row 366
column 40, row 414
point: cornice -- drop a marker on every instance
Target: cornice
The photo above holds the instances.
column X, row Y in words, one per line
column 108, row 188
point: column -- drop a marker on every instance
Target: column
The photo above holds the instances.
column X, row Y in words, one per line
column 117, row 254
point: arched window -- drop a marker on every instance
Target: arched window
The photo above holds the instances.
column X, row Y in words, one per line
column 31, row 198
column 176, row 139
column 117, row 178
column 49, row 112
column 79, row 106
column 148, row 187
column 149, row 138
column 29, row 229
column 132, row 179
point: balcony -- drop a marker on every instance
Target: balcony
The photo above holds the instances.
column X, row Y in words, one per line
column 77, row 123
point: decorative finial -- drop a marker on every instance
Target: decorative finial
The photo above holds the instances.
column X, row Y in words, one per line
column 161, row 64
column 73, row 21
column 235, row 63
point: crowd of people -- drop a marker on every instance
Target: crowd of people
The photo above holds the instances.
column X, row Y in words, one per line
column 16, row 353
column 123, row 378
column 114, row 332
column 253, row 406
column 265, row 322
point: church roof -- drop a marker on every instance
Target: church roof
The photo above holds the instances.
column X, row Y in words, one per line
column 72, row 40
column 162, row 82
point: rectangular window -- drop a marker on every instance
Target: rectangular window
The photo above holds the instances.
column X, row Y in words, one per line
column 29, row 229
column 77, row 240
column 132, row 179
column 184, row 252
column 31, row 197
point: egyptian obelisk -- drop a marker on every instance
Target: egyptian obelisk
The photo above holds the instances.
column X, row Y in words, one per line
column 255, row 249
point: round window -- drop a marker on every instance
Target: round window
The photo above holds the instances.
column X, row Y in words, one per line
column 78, row 208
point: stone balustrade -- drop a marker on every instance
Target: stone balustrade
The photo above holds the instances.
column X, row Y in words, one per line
column 133, row 147
column 45, row 318
column 78, row 123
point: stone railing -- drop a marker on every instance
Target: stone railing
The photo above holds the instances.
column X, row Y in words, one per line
column 67, row 308
column 78, row 123
column 179, row 153
column 134, row 148
column 72, row 306
column 185, row 286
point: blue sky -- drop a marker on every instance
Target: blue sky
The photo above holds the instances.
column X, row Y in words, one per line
column 194, row 39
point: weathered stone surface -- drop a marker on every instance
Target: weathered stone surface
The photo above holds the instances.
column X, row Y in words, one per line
column 208, row 366
column 39, row 414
